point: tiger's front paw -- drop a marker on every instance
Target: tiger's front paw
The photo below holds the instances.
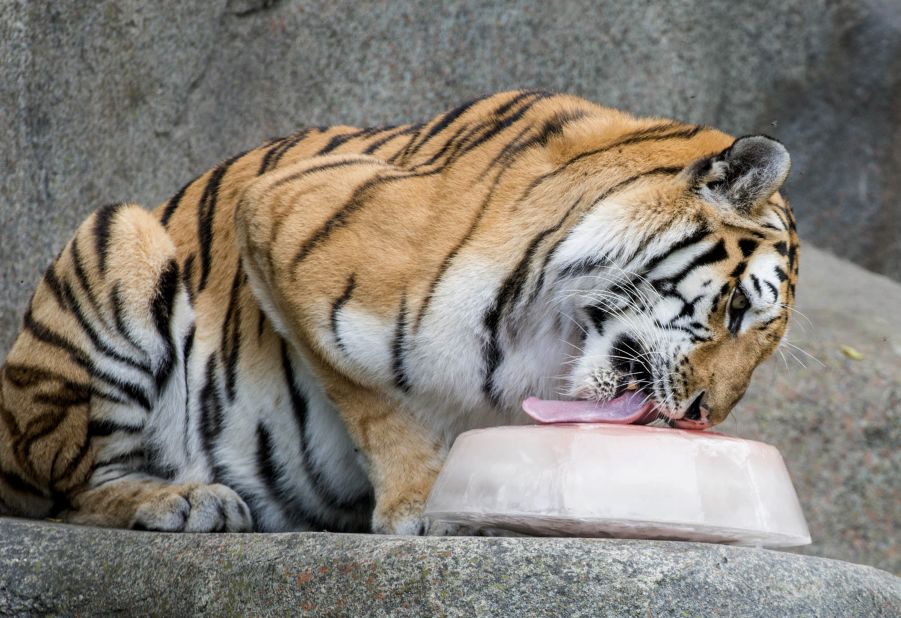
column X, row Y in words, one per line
column 194, row 508
column 402, row 517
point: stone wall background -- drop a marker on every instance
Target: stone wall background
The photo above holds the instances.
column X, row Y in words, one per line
column 127, row 100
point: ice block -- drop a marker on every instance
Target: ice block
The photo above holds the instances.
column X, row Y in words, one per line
column 628, row 481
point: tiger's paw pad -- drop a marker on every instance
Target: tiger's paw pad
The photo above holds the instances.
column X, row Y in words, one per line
column 197, row 508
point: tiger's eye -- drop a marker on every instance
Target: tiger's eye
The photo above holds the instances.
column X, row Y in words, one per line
column 739, row 301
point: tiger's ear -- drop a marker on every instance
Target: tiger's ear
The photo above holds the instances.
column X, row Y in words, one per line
column 746, row 173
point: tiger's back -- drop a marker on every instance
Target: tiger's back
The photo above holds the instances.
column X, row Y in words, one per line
column 224, row 362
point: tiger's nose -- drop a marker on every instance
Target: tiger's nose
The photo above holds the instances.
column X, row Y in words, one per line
column 697, row 411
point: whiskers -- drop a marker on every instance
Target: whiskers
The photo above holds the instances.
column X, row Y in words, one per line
column 791, row 348
column 624, row 296
column 805, row 325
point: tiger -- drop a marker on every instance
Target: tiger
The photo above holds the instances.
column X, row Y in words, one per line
column 295, row 338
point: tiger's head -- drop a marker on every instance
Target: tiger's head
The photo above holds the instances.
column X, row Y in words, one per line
column 681, row 278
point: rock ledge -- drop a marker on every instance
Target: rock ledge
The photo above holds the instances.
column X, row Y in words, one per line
column 59, row 569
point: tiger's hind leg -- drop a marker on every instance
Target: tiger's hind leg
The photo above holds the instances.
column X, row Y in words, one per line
column 96, row 372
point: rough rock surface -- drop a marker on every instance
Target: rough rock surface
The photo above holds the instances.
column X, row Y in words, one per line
column 127, row 100
column 47, row 568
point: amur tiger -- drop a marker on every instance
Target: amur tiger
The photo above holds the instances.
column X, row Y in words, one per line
column 292, row 341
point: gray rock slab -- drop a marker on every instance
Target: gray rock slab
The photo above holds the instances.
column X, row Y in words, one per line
column 57, row 569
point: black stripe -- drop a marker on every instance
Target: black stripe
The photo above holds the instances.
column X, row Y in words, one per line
column 26, row 375
column 714, row 254
column 550, row 129
column 692, row 239
column 261, row 322
column 442, row 123
column 37, row 429
column 119, row 317
column 65, row 397
column 509, row 151
column 507, row 296
column 756, row 283
column 506, row 107
column 102, row 224
column 154, row 463
column 598, row 317
column 187, row 275
column 22, row 376
column 339, row 219
column 187, row 348
column 747, row 246
column 205, row 214
column 486, row 130
column 628, row 290
column 338, row 305
column 274, row 155
column 274, row 146
column 357, row 200
column 231, row 334
column 103, row 427
column 452, row 254
column 103, row 347
column 299, row 407
column 400, row 152
column 272, row 478
column 655, row 133
column 174, row 202
column 324, row 167
column 339, row 140
column 452, row 145
column 782, row 218
column 211, row 413
column 739, row 270
column 72, row 465
column 56, row 288
column 584, row 266
column 766, row 324
column 107, row 481
column 17, row 483
column 503, row 124
column 40, row 332
column 384, row 140
column 401, row 380
column 772, row 288
column 780, row 273
column 82, row 277
column 161, row 308
column 12, row 425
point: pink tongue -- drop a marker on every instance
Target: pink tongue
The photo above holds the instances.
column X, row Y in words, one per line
column 626, row 409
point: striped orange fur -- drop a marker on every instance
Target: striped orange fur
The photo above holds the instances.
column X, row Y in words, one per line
column 293, row 340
